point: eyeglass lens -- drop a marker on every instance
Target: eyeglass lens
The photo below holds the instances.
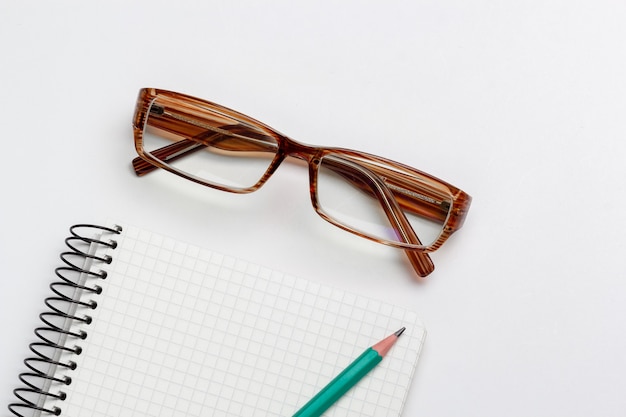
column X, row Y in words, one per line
column 349, row 196
column 207, row 145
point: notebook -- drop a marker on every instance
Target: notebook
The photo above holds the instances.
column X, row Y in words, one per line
column 139, row 324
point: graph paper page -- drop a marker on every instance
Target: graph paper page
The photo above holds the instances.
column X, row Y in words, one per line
column 182, row 331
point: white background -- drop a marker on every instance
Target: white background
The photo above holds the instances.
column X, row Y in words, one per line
column 521, row 104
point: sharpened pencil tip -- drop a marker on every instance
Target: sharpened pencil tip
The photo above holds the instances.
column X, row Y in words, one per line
column 384, row 345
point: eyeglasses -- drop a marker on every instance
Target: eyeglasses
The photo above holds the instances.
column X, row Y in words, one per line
column 367, row 195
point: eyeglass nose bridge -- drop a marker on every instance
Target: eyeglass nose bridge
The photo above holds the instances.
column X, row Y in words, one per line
column 302, row 151
column 309, row 154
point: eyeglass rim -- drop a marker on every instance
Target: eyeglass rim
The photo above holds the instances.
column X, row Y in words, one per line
column 456, row 215
column 453, row 222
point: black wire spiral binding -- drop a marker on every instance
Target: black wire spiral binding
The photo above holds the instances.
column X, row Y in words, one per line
column 44, row 367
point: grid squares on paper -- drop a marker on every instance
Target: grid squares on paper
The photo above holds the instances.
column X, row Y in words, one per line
column 182, row 331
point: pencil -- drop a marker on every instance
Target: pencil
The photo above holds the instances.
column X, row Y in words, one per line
column 348, row 377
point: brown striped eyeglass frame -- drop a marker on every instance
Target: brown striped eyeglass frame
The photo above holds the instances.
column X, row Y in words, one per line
column 367, row 195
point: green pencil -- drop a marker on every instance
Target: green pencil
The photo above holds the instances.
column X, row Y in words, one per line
column 348, row 377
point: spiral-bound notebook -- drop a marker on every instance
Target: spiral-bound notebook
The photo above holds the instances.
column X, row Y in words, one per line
column 139, row 324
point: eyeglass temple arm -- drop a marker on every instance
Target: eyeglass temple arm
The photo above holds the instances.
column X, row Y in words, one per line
column 184, row 147
column 167, row 153
column 421, row 262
